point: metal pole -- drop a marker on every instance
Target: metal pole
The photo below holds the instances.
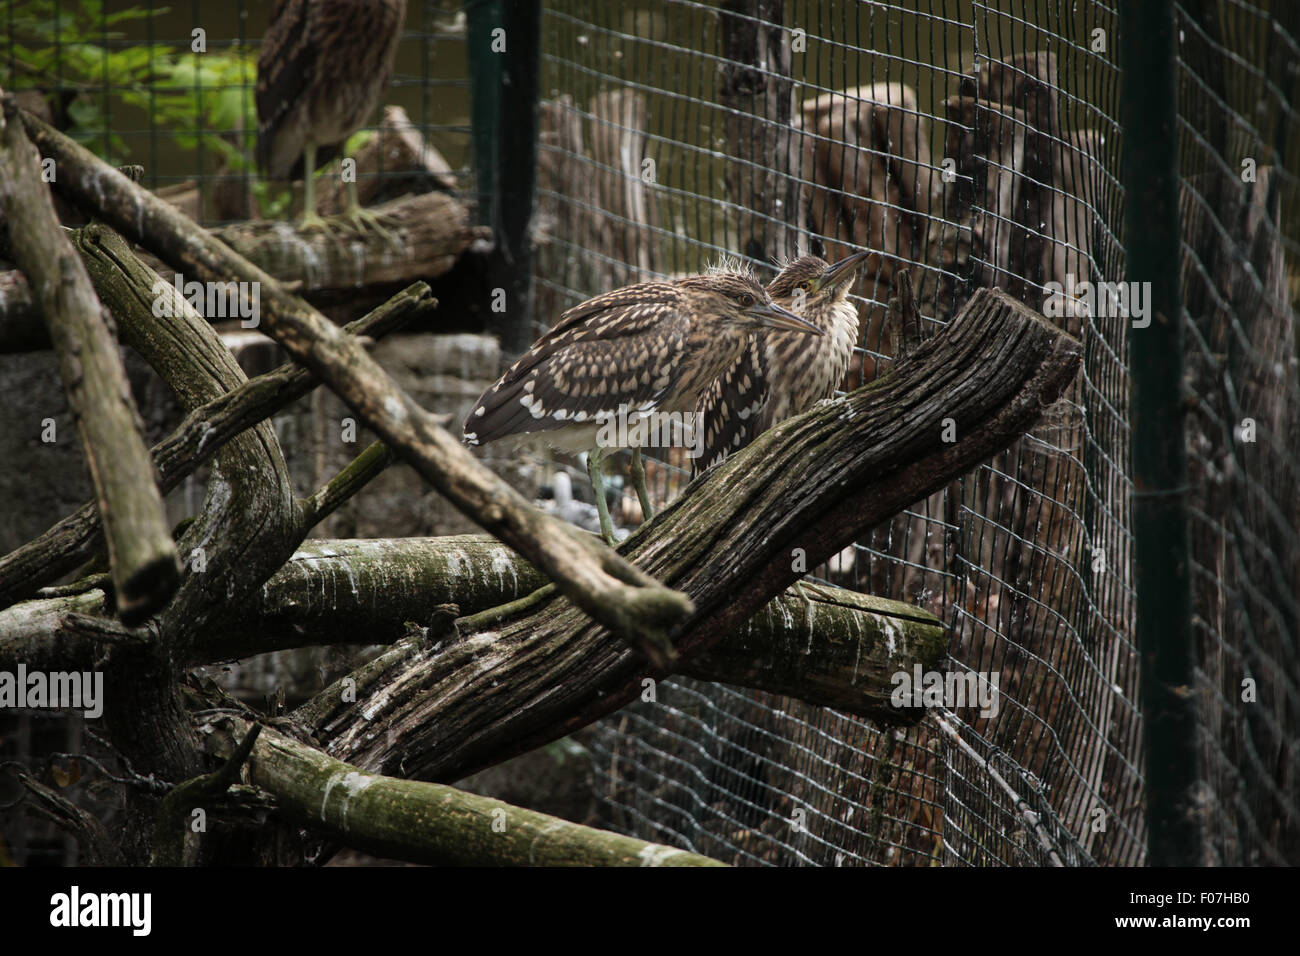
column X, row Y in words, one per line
column 504, row 40
column 1152, row 243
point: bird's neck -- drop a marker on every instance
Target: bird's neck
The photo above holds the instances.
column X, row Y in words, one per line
column 727, row 346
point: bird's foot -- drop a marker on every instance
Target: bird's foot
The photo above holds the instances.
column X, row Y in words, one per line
column 364, row 222
column 315, row 223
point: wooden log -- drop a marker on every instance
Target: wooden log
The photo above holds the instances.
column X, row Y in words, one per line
column 829, row 647
column 395, row 162
column 628, row 204
column 430, row 231
column 142, row 555
column 1030, row 190
column 603, row 157
column 824, row 645
column 245, row 528
column 872, row 186
column 424, row 822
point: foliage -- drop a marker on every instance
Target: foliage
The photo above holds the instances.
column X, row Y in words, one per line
column 76, row 54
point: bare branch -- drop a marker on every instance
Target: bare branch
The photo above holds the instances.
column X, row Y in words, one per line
column 359, row 473
column 171, row 823
column 426, row 822
column 141, row 553
column 92, row 836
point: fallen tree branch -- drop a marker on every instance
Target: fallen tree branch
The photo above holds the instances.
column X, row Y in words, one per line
column 365, row 592
column 69, row 633
column 245, row 529
column 426, row 822
column 804, row 489
column 142, row 555
column 608, row 588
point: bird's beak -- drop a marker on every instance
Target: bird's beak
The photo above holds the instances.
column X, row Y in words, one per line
column 843, row 271
column 772, row 316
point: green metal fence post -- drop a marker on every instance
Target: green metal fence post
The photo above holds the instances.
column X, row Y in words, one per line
column 1152, row 243
column 504, row 40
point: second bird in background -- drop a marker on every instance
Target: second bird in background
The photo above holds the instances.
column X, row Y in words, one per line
column 780, row 375
column 322, row 69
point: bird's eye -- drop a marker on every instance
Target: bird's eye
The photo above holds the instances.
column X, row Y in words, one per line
column 746, row 300
column 804, row 285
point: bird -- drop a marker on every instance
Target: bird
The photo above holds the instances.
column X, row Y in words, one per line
column 323, row 66
column 625, row 360
column 782, row 374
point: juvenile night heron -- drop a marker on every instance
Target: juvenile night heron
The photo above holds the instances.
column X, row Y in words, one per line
column 624, row 358
column 323, row 66
column 782, row 374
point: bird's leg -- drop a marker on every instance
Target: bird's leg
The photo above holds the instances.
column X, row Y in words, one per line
column 638, row 480
column 363, row 220
column 311, row 221
column 598, row 487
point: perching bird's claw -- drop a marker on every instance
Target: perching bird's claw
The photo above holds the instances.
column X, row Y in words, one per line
column 364, row 222
column 312, row 222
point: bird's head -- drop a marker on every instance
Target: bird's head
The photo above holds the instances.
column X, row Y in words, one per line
column 738, row 301
column 817, row 279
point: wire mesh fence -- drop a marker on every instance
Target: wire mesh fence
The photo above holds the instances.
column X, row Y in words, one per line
column 974, row 144
column 1239, row 142
column 170, row 87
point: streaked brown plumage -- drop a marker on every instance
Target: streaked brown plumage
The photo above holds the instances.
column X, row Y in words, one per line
column 323, row 66
column 784, row 374
column 652, row 347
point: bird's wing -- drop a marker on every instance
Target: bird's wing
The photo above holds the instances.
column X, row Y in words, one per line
column 285, row 67
column 621, row 348
column 733, row 406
